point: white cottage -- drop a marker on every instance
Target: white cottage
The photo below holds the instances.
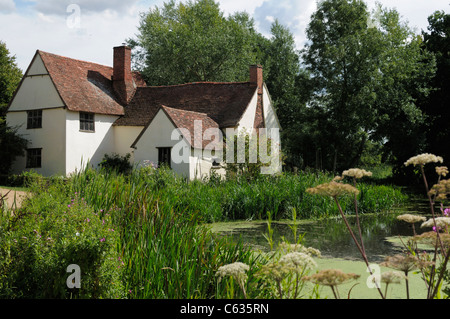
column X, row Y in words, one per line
column 73, row 111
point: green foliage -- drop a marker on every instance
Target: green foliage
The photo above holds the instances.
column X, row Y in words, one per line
column 50, row 233
column 246, row 157
column 182, row 261
column 437, row 41
column 141, row 235
column 193, row 41
column 366, row 80
column 12, row 145
column 116, row 162
column 10, row 76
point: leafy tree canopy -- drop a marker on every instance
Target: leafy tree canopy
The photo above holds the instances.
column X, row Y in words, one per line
column 367, row 72
column 194, row 41
column 10, row 76
column 11, row 144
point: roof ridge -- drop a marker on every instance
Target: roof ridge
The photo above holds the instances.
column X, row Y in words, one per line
column 196, row 83
column 181, row 110
column 78, row 60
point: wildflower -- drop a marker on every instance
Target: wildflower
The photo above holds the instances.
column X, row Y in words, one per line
column 331, row 277
column 392, row 277
column 442, row 170
column 68, row 206
column 356, row 173
column 297, row 261
column 287, row 248
column 237, row 270
column 333, row 189
column 423, row 159
column 441, row 189
column 77, row 234
column 440, row 222
column 409, row 218
column 401, row 262
column 103, row 239
column 446, row 211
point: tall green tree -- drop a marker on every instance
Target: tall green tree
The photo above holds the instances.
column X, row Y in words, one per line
column 366, row 73
column 194, row 41
column 11, row 144
column 10, row 76
column 283, row 64
column 437, row 106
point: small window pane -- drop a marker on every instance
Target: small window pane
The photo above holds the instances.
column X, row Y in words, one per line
column 34, row 119
column 34, row 156
column 87, row 122
column 164, row 156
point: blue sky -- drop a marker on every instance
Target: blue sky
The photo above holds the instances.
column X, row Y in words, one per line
column 88, row 30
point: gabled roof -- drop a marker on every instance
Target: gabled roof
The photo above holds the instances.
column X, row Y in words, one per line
column 183, row 119
column 223, row 103
column 84, row 86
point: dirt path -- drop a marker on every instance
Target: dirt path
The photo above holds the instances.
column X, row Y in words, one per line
column 13, row 195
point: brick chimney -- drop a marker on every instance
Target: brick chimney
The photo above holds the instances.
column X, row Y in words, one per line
column 256, row 78
column 123, row 83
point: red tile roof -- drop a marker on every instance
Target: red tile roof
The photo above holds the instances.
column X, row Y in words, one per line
column 84, row 86
column 224, row 103
column 187, row 120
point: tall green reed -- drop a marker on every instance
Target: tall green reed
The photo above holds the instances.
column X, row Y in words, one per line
column 166, row 251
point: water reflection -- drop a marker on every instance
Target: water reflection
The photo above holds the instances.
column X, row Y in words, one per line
column 331, row 236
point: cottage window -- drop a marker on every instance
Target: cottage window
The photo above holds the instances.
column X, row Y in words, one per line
column 34, row 156
column 87, row 122
column 34, row 119
column 164, row 156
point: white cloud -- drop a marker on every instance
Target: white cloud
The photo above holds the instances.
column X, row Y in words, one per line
column 293, row 14
column 59, row 7
column 7, row 6
column 415, row 12
column 92, row 39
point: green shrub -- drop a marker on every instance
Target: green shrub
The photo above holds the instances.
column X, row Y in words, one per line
column 116, row 162
column 48, row 235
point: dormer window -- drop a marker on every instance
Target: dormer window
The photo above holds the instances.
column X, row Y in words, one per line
column 34, row 119
column 87, row 122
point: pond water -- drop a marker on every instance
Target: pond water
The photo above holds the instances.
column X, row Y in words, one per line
column 331, row 236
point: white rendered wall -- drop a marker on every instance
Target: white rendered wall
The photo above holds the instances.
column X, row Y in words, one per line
column 51, row 138
column 270, row 118
column 124, row 137
column 158, row 134
column 36, row 90
column 88, row 146
column 248, row 118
